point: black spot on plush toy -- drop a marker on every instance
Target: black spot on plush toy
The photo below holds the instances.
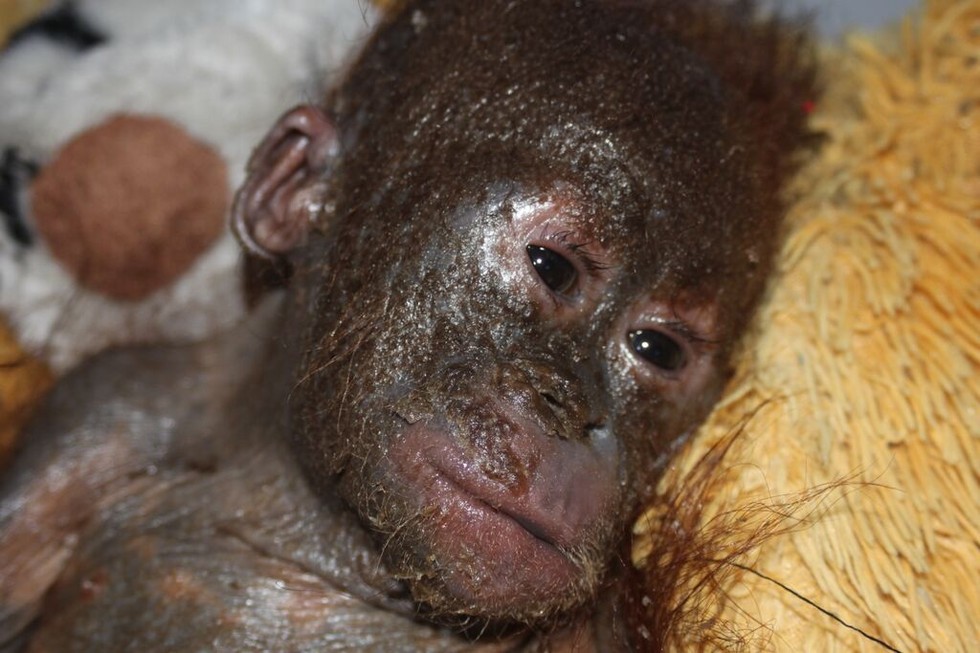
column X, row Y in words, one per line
column 65, row 25
column 124, row 128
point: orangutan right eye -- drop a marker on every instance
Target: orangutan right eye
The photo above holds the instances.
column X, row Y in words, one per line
column 658, row 348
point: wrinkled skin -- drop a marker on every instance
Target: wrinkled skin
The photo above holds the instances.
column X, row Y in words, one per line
column 525, row 238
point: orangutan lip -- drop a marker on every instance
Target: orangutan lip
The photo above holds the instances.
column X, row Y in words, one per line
column 495, row 500
column 532, row 527
column 551, row 509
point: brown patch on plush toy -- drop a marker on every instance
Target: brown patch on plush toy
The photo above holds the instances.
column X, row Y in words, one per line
column 128, row 205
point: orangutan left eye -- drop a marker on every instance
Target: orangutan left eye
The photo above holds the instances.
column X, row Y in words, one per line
column 554, row 270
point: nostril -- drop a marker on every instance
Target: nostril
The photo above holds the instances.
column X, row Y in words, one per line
column 599, row 434
column 551, row 399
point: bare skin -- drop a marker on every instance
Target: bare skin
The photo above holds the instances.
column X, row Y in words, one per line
column 511, row 298
column 215, row 531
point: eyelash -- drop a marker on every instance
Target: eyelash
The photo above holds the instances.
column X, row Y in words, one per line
column 579, row 249
column 682, row 331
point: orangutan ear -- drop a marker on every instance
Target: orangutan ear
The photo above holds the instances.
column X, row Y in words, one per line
column 274, row 209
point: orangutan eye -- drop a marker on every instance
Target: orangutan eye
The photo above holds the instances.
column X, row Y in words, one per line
column 658, row 348
column 555, row 270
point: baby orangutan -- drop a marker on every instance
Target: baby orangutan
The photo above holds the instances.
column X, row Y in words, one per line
column 524, row 238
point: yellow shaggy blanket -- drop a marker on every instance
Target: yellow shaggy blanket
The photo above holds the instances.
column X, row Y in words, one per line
column 855, row 480
column 846, row 514
column 15, row 12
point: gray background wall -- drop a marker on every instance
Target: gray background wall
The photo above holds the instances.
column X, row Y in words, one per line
column 833, row 16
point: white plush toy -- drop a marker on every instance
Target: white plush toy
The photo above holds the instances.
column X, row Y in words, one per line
column 125, row 125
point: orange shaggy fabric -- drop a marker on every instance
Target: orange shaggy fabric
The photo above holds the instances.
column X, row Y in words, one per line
column 856, row 480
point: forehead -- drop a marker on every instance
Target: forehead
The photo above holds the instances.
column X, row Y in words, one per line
column 545, row 91
column 448, row 103
column 546, row 72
